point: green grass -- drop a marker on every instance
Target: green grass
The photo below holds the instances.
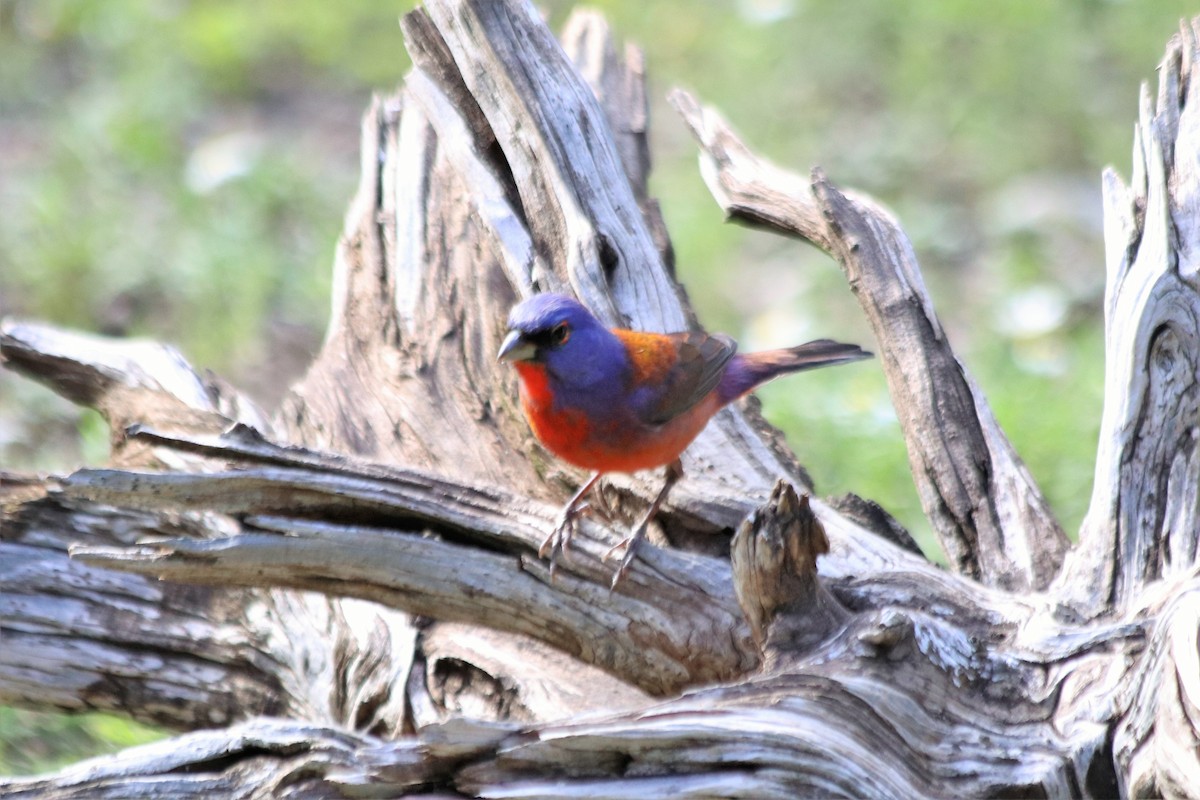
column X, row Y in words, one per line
column 180, row 170
column 33, row 742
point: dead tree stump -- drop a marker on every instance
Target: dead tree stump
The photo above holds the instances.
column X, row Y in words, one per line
column 343, row 597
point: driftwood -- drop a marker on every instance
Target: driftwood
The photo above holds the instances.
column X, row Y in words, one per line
column 346, row 593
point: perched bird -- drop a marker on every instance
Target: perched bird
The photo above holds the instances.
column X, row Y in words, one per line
column 612, row 400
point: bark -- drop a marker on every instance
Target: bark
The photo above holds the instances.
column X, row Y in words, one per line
column 351, row 586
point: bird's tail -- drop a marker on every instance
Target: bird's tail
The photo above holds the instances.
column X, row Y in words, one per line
column 748, row 370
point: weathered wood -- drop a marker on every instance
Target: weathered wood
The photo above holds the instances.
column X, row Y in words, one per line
column 128, row 381
column 495, row 171
column 914, row 642
column 268, row 758
column 1154, row 744
column 72, row 636
column 1145, row 510
column 76, row 637
column 990, row 517
column 688, row 629
column 774, row 562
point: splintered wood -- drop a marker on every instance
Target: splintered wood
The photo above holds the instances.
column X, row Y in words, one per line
column 350, row 586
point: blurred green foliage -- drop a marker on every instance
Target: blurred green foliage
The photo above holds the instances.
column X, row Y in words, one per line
column 180, row 169
column 36, row 741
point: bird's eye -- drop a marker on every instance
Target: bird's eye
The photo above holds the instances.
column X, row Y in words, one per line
column 560, row 333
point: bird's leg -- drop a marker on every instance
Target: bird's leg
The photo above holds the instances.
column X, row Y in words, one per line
column 600, row 504
column 673, row 474
column 560, row 538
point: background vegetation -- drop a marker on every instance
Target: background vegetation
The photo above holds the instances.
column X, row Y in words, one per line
column 179, row 170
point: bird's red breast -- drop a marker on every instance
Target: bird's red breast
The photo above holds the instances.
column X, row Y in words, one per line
column 617, row 440
column 563, row 430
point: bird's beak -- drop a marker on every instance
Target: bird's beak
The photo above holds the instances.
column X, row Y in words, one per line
column 516, row 348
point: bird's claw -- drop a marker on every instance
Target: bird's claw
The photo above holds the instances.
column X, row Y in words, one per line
column 559, row 540
column 631, row 545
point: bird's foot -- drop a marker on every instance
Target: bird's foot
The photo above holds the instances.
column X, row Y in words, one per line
column 559, row 541
column 631, row 545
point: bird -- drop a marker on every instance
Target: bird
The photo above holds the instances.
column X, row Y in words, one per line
column 615, row 400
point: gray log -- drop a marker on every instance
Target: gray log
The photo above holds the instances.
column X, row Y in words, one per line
column 362, row 566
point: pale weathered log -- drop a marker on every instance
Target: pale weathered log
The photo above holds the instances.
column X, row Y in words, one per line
column 495, row 171
column 269, row 758
column 689, row 629
column 1155, row 744
column 1138, row 549
column 128, row 381
column 914, row 644
column 74, row 636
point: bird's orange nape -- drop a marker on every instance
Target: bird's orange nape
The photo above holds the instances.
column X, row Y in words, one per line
column 651, row 356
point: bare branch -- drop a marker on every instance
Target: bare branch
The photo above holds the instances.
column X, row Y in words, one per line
column 127, row 381
column 689, row 628
column 984, row 506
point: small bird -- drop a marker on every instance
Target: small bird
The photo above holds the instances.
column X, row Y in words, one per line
column 613, row 400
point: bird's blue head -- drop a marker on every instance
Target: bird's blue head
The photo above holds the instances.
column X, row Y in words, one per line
column 557, row 332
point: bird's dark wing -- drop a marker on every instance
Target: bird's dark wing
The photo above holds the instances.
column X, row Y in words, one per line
column 678, row 369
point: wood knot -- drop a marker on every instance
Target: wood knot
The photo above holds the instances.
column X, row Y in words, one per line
column 610, row 258
column 888, row 631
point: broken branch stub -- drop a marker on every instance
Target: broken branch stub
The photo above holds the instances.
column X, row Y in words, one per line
column 774, row 561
